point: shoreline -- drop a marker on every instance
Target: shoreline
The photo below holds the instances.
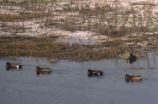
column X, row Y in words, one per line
column 48, row 47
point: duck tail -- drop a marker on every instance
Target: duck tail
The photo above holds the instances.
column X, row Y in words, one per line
column 20, row 66
column 101, row 73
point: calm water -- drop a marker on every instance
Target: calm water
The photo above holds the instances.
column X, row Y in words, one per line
column 69, row 84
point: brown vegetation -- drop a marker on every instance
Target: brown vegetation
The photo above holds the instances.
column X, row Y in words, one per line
column 20, row 17
column 44, row 47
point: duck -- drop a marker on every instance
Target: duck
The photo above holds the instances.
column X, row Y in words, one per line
column 40, row 70
column 132, row 58
column 13, row 66
column 95, row 73
column 132, row 78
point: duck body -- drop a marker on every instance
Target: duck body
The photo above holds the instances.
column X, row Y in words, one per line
column 40, row 70
column 132, row 78
column 13, row 66
column 92, row 73
column 132, row 58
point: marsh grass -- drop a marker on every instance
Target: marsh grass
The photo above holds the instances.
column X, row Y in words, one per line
column 110, row 19
column 44, row 47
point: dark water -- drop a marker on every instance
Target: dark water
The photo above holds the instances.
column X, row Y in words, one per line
column 69, row 84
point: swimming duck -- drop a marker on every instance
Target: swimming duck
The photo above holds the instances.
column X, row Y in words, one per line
column 13, row 66
column 40, row 70
column 132, row 58
column 132, row 78
column 95, row 73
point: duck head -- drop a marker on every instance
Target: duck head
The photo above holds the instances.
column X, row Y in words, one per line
column 127, row 77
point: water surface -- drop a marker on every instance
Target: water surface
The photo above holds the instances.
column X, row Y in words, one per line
column 69, row 84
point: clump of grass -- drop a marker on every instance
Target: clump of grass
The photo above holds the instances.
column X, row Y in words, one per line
column 134, row 39
column 33, row 15
column 125, row 55
column 113, row 43
column 9, row 17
